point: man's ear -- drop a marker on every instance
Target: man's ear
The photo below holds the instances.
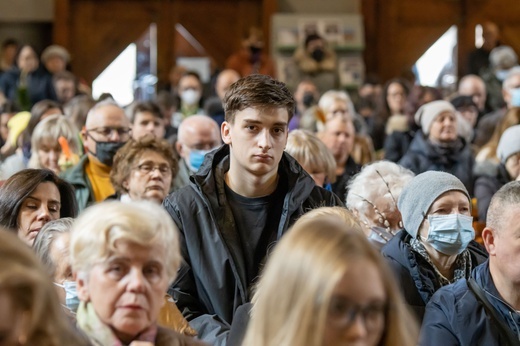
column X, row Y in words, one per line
column 489, row 237
column 225, row 132
column 84, row 138
column 82, row 286
column 178, row 147
column 125, row 184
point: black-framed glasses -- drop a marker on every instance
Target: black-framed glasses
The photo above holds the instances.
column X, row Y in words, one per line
column 343, row 313
column 147, row 168
column 107, row 132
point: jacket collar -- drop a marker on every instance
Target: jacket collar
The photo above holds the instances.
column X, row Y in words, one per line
column 484, row 279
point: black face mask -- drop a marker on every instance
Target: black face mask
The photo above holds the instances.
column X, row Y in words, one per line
column 318, row 54
column 308, row 99
column 255, row 50
column 105, row 151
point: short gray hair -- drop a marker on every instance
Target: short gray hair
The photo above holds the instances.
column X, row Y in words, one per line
column 43, row 243
column 508, row 196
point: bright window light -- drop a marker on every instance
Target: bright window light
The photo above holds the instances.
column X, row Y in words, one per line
column 118, row 78
column 437, row 57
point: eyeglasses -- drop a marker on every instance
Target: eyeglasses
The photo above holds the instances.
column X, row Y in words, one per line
column 343, row 314
column 107, row 132
column 147, row 168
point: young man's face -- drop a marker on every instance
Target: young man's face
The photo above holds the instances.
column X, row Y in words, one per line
column 257, row 139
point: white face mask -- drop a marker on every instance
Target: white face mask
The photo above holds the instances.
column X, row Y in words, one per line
column 71, row 294
column 190, row 97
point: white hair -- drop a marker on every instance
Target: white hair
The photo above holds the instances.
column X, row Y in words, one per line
column 381, row 179
column 97, row 229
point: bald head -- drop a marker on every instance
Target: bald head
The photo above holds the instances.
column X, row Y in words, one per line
column 198, row 132
column 490, row 35
column 106, row 122
column 224, row 80
column 472, row 85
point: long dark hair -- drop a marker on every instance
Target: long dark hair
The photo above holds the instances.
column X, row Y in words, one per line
column 19, row 186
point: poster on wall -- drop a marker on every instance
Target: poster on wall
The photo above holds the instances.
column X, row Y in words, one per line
column 351, row 69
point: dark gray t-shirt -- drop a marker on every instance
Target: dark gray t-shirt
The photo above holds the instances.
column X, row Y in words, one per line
column 256, row 222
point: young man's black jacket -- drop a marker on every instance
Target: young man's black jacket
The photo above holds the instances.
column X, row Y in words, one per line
column 211, row 282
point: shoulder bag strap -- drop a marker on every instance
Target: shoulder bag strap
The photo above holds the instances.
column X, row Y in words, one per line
column 504, row 330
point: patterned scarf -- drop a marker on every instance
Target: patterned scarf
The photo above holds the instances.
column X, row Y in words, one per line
column 100, row 334
column 462, row 263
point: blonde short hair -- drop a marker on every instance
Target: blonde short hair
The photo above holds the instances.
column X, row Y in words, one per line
column 50, row 129
column 97, row 229
column 312, row 258
column 311, row 153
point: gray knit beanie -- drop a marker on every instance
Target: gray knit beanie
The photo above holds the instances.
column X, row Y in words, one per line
column 425, row 116
column 509, row 143
column 420, row 193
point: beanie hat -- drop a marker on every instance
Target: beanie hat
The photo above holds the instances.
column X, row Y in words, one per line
column 420, row 193
column 55, row 50
column 509, row 143
column 429, row 111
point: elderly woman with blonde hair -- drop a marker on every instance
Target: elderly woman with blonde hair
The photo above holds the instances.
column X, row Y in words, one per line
column 372, row 198
column 336, row 290
column 313, row 155
column 47, row 152
column 30, row 312
column 124, row 257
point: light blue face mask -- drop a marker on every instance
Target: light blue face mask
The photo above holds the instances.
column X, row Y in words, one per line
column 515, row 97
column 501, row 74
column 196, row 159
column 71, row 295
column 450, row 234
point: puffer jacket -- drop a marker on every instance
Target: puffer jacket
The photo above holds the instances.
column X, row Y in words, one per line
column 211, row 282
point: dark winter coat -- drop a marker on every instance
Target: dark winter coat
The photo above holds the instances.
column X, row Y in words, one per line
column 422, row 156
column 211, row 282
column 415, row 274
column 486, row 186
column 397, row 144
column 39, row 85
column 454, row 316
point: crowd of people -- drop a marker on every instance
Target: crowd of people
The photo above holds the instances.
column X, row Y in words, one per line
column 259, row 215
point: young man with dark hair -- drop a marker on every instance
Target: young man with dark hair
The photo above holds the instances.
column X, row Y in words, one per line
column 241, row 201
column 146, row 118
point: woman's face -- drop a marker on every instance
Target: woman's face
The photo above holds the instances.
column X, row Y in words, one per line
column 150, row 178
column 41, row 206
column 444, row 127
column 127, row 289
column 49, row 153
column 357, row 310
column 451, row 202
column 396, row 98
column 27, row 60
